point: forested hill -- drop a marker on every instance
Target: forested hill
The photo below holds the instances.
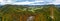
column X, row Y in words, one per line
column 44, row 10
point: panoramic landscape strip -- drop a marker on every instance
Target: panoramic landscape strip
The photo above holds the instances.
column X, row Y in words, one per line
column 30, row 13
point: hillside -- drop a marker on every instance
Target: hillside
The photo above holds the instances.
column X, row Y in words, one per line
column 39, row 13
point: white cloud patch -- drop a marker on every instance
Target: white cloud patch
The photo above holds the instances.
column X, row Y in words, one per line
column 1, row 0
column 56, row 2
column 23, row 3
column 38, row 2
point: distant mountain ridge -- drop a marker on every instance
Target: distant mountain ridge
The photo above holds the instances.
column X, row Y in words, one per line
column 34, row 5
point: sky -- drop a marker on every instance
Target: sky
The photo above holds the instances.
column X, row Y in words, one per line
column 29, row 2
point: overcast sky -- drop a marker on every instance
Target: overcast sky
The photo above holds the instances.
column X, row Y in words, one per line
column 29, row 2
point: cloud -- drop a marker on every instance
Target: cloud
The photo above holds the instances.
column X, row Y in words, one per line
column 0, row 0
column 36, row 2
column 22, row 3
column 56, row 2
column 28, row 3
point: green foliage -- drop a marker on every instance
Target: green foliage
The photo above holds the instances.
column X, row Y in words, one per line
column 23, row 10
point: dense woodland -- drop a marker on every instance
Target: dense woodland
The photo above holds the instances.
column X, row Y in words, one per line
column 41, row 13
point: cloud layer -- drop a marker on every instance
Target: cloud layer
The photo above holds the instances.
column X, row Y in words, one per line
column 29, row 2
